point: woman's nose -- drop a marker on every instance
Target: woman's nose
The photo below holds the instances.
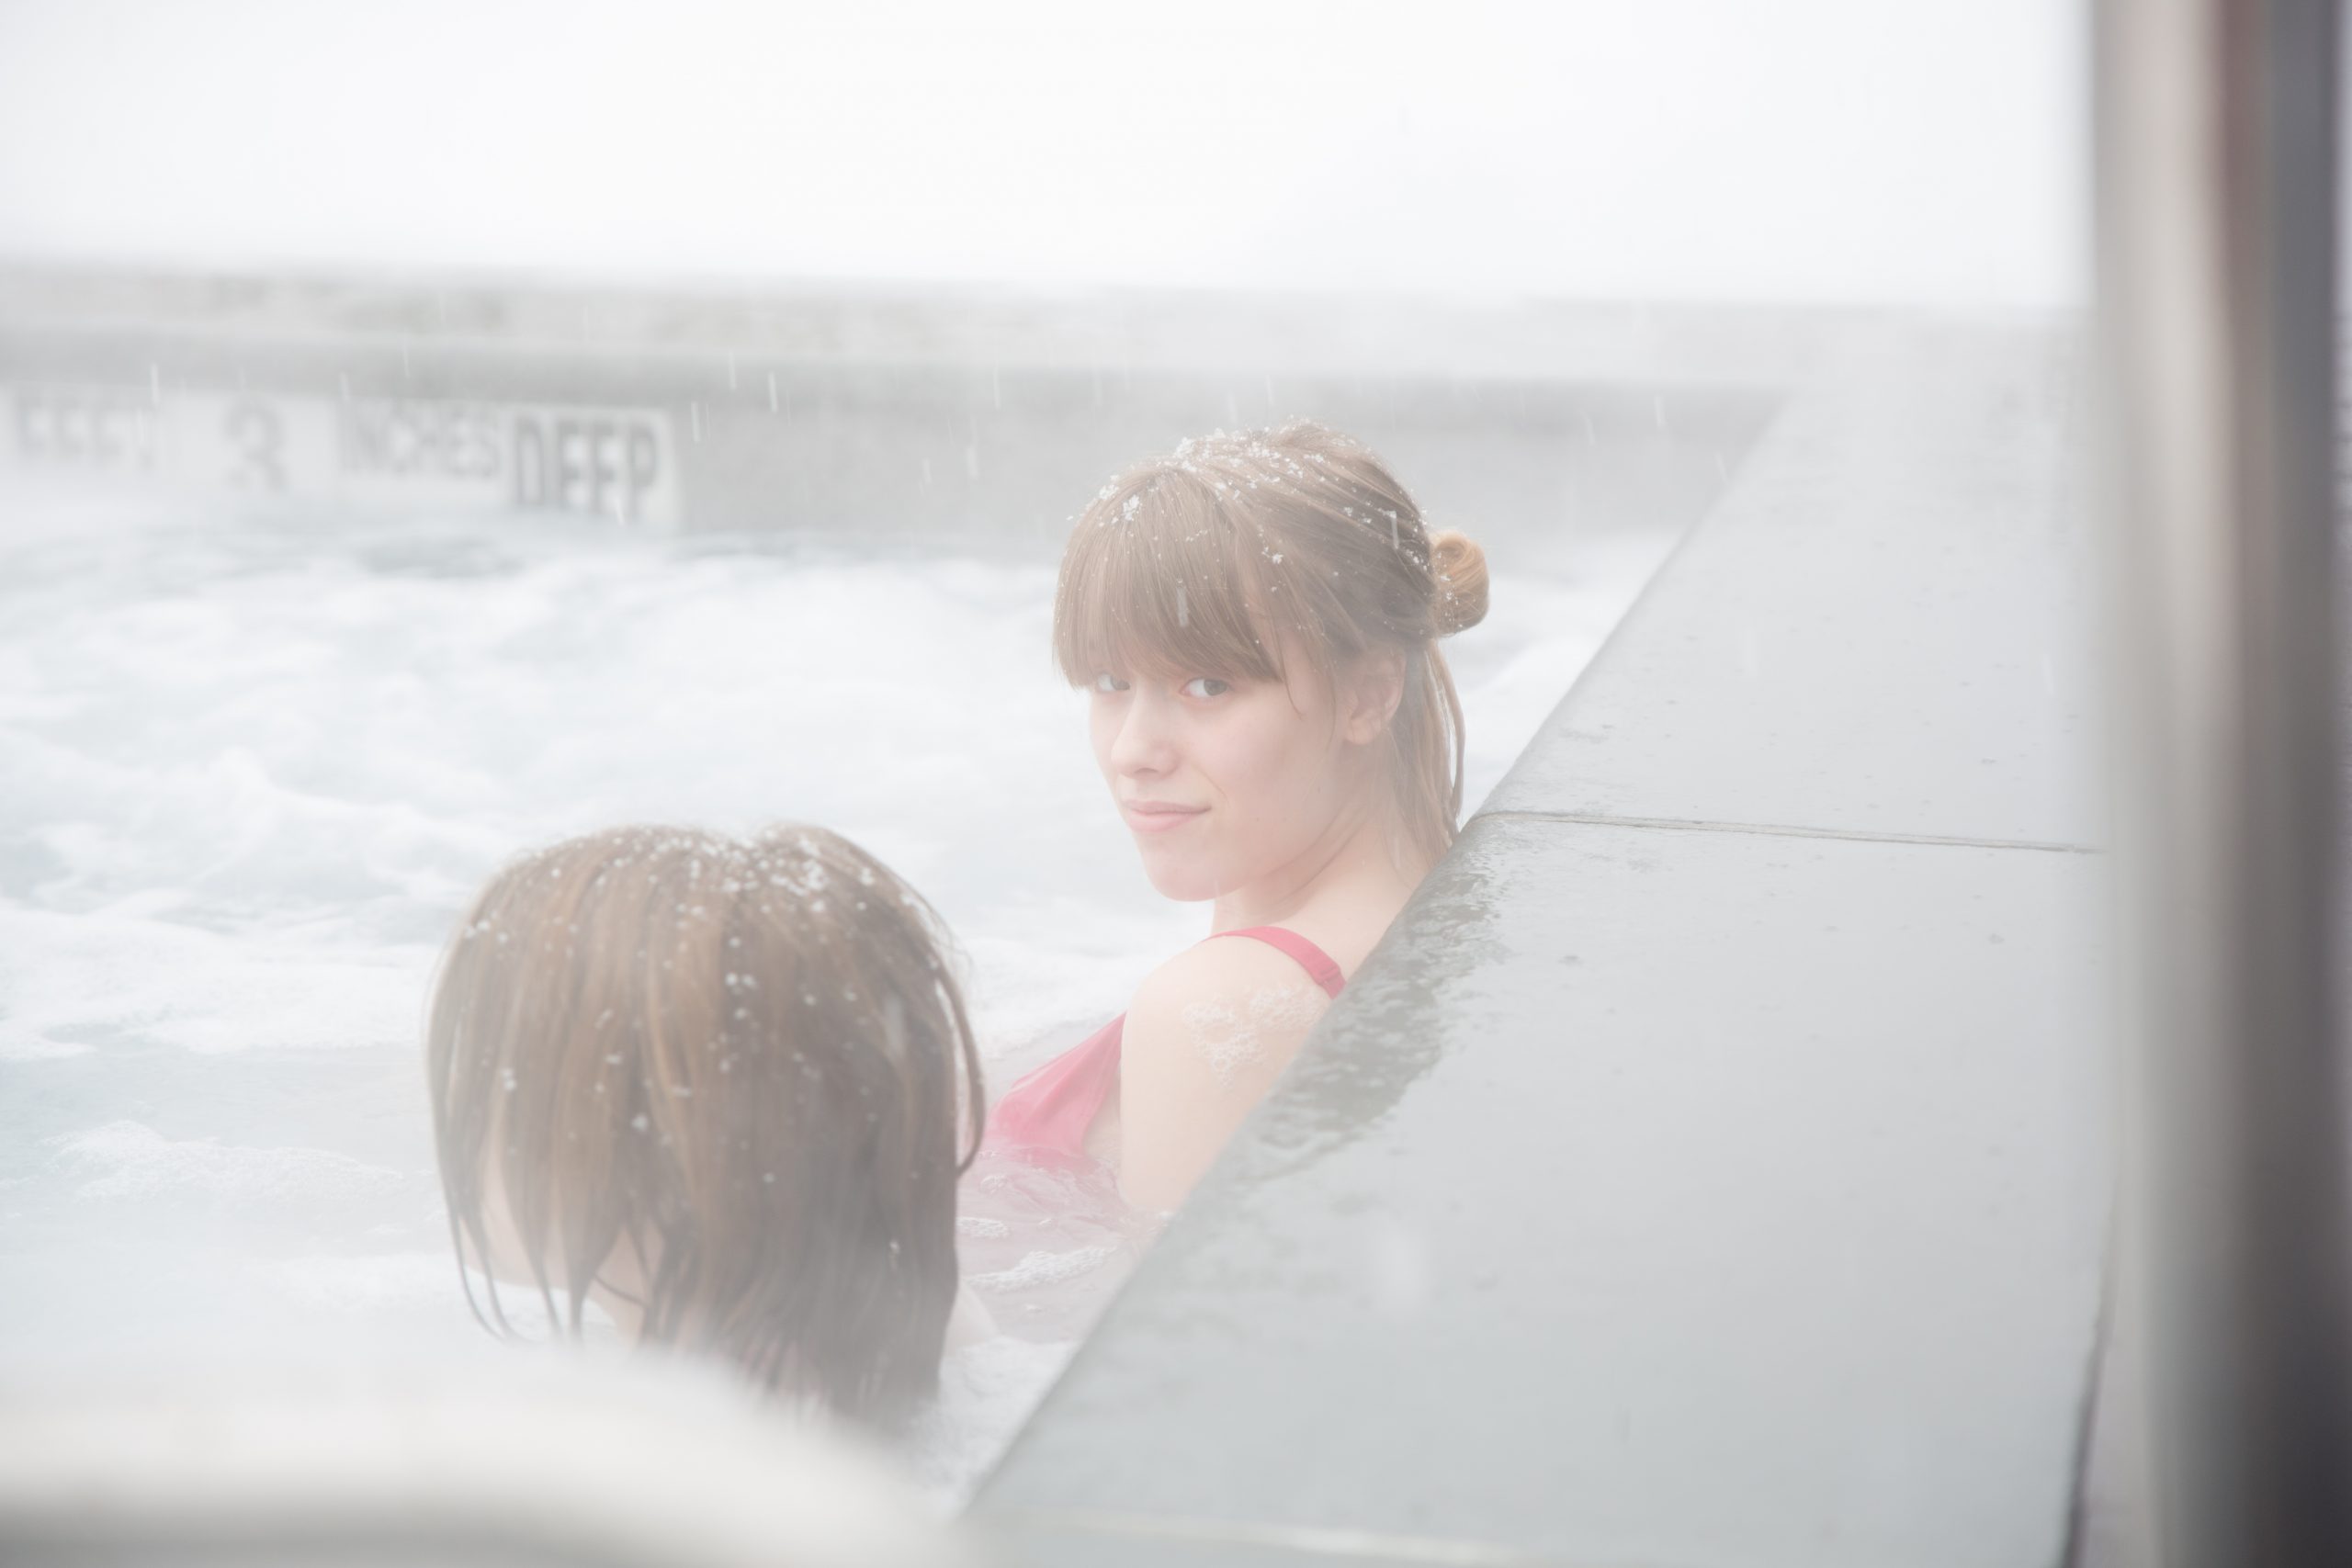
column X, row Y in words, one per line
column 1143, row 742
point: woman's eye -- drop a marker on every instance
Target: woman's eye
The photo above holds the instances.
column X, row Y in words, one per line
column 1106, row 682
column 1206, row 686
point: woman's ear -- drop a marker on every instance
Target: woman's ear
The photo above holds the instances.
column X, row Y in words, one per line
column 1374, row 688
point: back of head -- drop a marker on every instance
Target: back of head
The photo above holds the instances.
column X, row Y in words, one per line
column 1212, row 559
column 742, row 1066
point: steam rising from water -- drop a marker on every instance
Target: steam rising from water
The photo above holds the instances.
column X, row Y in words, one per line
column 251, row 768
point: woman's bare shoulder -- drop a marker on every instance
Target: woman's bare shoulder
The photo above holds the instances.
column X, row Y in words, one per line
column 1210, row 1032
column 1226, row 1006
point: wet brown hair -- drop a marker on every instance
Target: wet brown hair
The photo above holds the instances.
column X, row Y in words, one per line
column 747, row 1061
column 1202, row 562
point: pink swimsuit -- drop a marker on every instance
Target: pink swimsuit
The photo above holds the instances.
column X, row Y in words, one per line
column 1046, row 1113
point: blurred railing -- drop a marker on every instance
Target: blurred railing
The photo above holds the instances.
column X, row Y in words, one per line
column 2217, row 163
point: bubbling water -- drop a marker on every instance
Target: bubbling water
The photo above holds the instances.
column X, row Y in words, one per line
column 252, row 766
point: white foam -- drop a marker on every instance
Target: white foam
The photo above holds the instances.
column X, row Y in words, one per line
column 364, row 1284
column 128, row 1159
column 1043, row 1267
column 126, row 969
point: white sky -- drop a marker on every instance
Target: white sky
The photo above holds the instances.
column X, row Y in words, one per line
column 1929, row 150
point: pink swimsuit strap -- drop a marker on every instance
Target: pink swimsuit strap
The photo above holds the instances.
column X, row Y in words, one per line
column 1311, row 958
column 1046, row 1114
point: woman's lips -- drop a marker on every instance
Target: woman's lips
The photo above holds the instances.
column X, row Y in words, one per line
column 1157, row 817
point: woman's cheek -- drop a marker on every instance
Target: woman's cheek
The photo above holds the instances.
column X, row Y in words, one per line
column 1266, row 766
column 1102, row 732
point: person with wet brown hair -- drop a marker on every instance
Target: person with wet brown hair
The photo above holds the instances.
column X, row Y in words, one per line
column 724, row 1090
column 1255, row 617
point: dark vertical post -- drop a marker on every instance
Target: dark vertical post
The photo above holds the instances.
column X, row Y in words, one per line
column 2217, row 199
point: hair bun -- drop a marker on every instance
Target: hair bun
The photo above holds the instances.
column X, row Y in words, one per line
column 1458, row 567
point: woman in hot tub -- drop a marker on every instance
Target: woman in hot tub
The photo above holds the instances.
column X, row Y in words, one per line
column 1256, row 618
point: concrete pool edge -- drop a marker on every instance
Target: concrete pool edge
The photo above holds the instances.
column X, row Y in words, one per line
column 979, row 413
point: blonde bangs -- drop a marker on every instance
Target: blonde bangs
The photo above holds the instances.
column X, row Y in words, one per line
column 1160, row 580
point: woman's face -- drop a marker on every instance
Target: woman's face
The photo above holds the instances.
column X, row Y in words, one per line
column 1225, row 782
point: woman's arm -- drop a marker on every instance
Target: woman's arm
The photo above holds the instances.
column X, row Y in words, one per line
column 1206, row 1036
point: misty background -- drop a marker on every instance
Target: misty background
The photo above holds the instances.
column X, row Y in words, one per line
column 256, row 751
column 1819, row 151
